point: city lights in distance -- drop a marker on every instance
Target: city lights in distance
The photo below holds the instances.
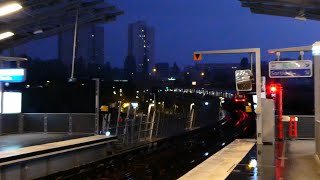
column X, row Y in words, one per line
column 134, row 105
column 9, row 8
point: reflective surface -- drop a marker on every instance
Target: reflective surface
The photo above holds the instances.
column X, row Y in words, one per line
column 285, row 160
column 16, row 141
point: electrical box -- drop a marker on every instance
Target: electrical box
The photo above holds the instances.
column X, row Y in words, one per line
column 268, row 121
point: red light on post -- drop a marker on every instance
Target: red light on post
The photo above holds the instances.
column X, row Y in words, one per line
column 273, row 89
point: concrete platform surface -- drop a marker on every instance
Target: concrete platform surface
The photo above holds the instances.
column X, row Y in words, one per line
column 219, row 165
column 293, row 160
column 16, row 141
column 54, row 145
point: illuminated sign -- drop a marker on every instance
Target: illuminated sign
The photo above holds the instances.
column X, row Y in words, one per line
column 12, row 75
column 12, row 102
column 290, row 69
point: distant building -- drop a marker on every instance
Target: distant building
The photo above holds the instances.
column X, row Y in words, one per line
column 141, row 44
column 130, row 68
column 89, row 47
column 162, row 70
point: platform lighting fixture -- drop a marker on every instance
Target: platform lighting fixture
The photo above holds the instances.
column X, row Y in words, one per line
column 6, row 35
column 9, row 8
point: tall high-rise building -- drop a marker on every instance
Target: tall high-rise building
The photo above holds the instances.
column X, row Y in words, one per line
column 89, row 46
column 141, row 44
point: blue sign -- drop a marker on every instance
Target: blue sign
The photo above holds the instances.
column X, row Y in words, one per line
column 290, row 69
column 12, row 75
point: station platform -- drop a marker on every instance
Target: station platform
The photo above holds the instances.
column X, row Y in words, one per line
column 243, row 159
column 31, row 156
column 16, row 141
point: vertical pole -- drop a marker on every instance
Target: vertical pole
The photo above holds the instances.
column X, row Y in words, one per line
column 139, row 131
column 153, row 117
column 1, row 104
column 317, row 101
column 251, row 61
column 74, row 45
column 70, row 123
column 104, row 123
column 258, row 89
column 191, row 115
column 97, row 82
column 118, row 117
column 281, row 137
column 1, row 100
column 133, row 123
column 125, row 133
column 158, row 122
column 108, row 124
column 45, row 123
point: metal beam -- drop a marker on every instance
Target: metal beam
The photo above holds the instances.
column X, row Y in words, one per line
column 258, row 81
column 4, row 58
column 291, row 49
column 230, row 51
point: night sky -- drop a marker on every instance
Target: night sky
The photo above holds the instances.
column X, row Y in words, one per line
column 182, row 27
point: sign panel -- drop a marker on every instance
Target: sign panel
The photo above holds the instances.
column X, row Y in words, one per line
column 12, row 75
column 290, row 69
column 197, row 56
column 243, row 80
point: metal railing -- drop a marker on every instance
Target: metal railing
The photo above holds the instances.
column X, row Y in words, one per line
column 306, row 126
column 47, row 122
column 140, row 129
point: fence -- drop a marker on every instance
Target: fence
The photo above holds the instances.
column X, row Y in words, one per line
column 306, row 126
column 159, row 124
column 47, row 122
column 132, row 129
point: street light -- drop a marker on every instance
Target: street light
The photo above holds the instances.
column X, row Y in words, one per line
column 154, row 70
column 9, row 8
column 202, row 74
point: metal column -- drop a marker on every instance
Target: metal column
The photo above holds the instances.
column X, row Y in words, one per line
column 97, row 109
column 317, row 102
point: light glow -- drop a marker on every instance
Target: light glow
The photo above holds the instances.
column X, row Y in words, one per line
column 253, row 163
column 134, row 105
column 11, row 102
column 6, row 35
column 9, row 8
column 273, row 89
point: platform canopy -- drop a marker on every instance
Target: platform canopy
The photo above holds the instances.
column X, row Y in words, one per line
column 42, row 18
column 299, row 9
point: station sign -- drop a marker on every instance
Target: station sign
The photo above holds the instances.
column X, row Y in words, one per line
column 290, row 69
column 13, row 75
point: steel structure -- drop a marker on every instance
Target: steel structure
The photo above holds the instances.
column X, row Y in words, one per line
column 42, row 18
column 299, row 9
column 257, row 53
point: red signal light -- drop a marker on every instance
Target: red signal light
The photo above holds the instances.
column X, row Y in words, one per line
column 273, row 89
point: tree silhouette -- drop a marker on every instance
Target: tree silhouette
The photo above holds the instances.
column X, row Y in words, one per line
column 244, row 64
